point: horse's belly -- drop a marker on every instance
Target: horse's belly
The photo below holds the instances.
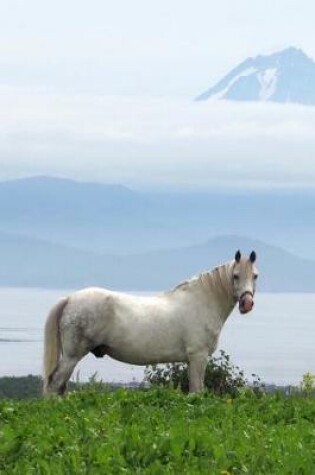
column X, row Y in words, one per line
column 144, row 356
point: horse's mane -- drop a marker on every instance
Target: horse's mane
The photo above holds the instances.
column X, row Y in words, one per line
column 186, row 283
column 218, row 280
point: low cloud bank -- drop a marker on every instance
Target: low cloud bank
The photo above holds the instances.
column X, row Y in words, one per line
column 155, row 141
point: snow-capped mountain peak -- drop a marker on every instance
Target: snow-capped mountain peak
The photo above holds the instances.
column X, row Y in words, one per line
column 286, row 76
column 268, row 83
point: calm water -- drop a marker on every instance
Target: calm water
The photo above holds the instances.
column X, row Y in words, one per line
column 276, row 341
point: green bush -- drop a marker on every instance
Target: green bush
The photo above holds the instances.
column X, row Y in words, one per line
column 221, row 377
column 307, row 385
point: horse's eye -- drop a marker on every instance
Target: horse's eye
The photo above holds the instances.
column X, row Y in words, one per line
column 236, row 277
column 255, row 276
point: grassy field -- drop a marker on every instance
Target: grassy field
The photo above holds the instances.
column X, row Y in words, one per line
column 158, row 431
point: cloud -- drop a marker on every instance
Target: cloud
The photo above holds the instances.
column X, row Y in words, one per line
column 155, row 142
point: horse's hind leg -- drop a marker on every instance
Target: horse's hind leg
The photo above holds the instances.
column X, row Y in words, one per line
column 59, row 378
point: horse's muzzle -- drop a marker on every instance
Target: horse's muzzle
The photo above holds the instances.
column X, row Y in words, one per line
column 246, row 302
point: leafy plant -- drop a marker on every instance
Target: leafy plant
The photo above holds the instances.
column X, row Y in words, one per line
column 221, row 377
column 158, row 431
column 307, row 384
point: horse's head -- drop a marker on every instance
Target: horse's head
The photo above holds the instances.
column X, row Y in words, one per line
column 244, row 281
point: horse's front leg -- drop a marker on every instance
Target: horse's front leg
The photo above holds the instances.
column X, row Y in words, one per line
column 197, row 369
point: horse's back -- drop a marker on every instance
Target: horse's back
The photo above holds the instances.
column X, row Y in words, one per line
column 131, row 328
column 94, row 306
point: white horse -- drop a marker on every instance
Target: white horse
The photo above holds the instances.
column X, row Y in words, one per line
column 183, row 324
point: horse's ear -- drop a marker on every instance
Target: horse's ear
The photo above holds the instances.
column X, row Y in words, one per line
column 238, row 256
column 252, row 256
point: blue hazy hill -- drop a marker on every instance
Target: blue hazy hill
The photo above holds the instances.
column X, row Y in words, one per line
column 112, row 219
column 61, row 233
column 28, row 262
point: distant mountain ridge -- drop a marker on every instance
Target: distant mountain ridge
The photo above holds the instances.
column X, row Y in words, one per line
column 113, row 219
column 287, row 76
column 60, row 233
column 27, row 262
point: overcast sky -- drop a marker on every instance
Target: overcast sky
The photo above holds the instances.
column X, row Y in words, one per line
column 104, row 91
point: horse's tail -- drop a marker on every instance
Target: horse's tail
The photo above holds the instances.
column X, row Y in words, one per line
column 52, row 344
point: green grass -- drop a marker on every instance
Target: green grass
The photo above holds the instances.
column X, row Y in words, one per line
column 158, row 431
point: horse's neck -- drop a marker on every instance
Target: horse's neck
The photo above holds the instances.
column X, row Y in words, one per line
column 218, row 283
